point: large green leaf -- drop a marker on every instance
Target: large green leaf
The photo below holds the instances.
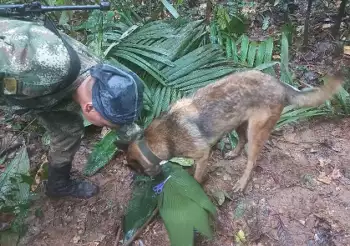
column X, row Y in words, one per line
column 184, row 207
column 141, row 205
column 170, row 8
column 187, row 186
column 285, row 73
column 11, row 181
column 102, row 153
column 292, row 114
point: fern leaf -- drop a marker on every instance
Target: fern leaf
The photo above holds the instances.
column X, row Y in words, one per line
column 251, row 54
column 244, row 49
column 260, row 54
column 141, row 63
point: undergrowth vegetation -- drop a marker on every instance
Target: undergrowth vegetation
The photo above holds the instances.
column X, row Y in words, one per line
column 174, row 56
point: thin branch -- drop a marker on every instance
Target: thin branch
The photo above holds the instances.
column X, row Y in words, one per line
column 15, row 138
column 117, row 238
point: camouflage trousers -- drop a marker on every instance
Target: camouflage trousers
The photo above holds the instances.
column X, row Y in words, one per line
column 66, row 129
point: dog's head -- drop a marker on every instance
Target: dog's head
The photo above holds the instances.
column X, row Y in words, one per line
column 142, row 161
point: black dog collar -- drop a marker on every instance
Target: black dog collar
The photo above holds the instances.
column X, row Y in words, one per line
column 148, row 153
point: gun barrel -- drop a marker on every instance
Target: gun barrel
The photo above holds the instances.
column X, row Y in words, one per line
column 37, row 8
column 102, row 6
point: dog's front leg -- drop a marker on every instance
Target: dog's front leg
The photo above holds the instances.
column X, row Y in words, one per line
column 201, row 167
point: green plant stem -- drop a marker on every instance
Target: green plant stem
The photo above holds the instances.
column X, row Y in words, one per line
column 129, row 242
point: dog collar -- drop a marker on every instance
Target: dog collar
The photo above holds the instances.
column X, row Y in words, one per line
column 148, row 153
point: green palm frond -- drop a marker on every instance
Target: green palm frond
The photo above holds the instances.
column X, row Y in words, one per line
column 172, row 60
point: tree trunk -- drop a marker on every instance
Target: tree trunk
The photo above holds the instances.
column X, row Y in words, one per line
column 306, row 25
column 208, row 11
column 335, row 31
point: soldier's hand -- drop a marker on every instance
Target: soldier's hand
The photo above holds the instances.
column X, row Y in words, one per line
column 127, row 134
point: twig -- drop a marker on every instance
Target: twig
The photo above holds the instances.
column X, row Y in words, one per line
column 14, row 139
column 117, row 238
column 138, row 232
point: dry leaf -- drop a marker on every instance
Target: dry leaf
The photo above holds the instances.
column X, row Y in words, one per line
column 326, row 26
column 76, row 239
column 347, row 50
column 240, row 237
column 104, row 131
column 39, row 173
column 323, row 178
column 219, row 197
column 276, row 57
column 323, row 162
column 336, row 174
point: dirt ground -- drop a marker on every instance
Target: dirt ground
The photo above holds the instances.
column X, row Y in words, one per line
column 299, row 195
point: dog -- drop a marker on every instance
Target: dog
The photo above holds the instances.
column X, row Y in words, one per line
column 250, row 102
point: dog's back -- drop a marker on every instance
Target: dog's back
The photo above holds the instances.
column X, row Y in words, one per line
column 220, row 107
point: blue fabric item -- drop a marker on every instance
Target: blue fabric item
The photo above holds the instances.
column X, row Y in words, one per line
column 116, row 94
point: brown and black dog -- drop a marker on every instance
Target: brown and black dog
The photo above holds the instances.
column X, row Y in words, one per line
column 249, row 102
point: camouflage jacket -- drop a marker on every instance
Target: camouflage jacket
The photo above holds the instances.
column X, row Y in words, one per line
column 33, row 63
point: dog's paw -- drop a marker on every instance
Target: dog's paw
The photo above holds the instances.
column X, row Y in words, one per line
column 240, row 186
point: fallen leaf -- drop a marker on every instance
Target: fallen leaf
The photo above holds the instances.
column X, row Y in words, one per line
column 326, row 26
column 104, row 131
column 227, row 177
column 347, row 50
column 276, row 57
column 227, row 196
column 324, row 162
column 76, row 239
column 336, row 174
column 323, row 178
column 39, row 176
column 185, row 162
column 219, row 197
column 240, row 236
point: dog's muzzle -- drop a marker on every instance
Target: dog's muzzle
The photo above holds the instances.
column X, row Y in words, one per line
column 154, row 170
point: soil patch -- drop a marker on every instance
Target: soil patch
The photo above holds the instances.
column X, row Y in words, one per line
column 299, row 194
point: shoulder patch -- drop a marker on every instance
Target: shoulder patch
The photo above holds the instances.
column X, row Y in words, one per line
column 10, row 86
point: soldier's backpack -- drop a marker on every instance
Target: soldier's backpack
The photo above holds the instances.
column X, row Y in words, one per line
column 35, row 63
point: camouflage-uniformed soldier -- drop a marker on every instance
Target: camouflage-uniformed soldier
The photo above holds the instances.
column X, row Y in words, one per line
column 47, row 73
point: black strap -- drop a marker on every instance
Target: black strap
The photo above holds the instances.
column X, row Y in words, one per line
column 148, row 153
